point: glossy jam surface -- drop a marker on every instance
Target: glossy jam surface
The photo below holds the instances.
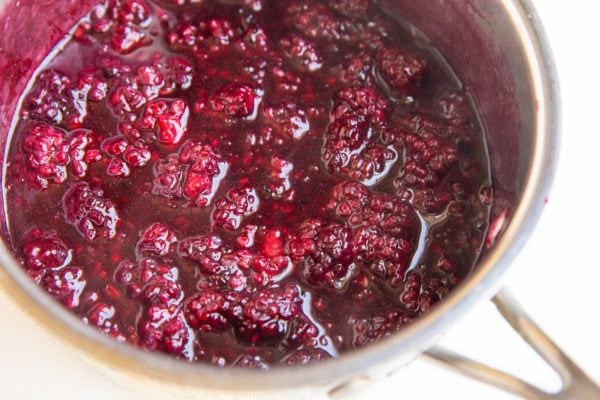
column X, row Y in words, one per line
column 247, row 182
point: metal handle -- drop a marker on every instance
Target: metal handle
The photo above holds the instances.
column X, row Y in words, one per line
column 576, row 385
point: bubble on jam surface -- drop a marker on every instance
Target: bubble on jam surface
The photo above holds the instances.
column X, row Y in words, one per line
column 51, row 154
column 194, row 173
column 90, row 212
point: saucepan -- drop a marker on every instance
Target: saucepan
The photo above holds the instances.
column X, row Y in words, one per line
column 499, row 50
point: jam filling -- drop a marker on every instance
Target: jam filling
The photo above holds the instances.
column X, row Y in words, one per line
column 247, row 182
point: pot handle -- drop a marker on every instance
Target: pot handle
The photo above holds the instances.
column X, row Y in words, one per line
column 576, row 385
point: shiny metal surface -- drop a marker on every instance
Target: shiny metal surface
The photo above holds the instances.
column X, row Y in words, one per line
column 575, row 384
column 518, row 100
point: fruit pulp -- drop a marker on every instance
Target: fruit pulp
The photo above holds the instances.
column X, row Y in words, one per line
column 247, row 182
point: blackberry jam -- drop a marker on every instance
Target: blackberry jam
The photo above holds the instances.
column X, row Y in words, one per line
column 247, row 182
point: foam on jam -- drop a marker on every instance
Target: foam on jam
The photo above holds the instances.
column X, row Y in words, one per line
column 247, row 182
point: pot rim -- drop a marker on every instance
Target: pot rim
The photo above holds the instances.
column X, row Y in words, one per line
column 416, row 337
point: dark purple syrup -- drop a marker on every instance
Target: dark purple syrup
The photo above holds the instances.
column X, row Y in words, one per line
column 247, row 182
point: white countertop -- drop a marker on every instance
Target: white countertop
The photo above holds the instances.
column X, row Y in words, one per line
column 556, row 277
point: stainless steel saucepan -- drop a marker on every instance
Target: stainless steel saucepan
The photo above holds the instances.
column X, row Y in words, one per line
column 498, row 49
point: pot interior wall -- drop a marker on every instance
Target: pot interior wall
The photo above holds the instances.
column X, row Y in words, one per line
column 471, row 34
column 478, row 40
column 29, row 31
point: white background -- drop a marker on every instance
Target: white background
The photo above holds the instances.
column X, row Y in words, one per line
column 556, row 277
